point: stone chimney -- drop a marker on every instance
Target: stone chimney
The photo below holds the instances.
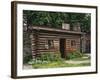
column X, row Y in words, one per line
column 76, row 27
column 65, row 26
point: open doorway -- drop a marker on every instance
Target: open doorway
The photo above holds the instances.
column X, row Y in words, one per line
column 63, row 47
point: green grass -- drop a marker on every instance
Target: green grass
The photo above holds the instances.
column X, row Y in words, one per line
column 80, row 59
column 58, row 64
column 49, row 60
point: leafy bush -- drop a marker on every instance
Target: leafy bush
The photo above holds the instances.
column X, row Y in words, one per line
column 46, row 58
column 57, row 57
column 74, row 54
column 49, row 56
column 27, row 58
column 36, row 61
column 27, row 52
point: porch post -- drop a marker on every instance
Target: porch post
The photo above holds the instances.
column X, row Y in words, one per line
column 83, row 43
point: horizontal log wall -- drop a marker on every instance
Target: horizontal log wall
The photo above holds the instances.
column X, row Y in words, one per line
column 77, row 44
column 39, row 40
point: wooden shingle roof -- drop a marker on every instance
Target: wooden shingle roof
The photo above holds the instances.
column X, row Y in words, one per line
column 54, row 30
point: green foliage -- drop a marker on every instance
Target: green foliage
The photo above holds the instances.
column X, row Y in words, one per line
column 53, row 60
column 27, row 53
column 55, row 19
column 36, row 61
column 27, row 58
column 46, row 58
column 57, row 64
column 49, row 56
column 74, row 54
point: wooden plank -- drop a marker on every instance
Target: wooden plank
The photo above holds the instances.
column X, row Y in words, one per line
column 53, row 34
column 54, row 30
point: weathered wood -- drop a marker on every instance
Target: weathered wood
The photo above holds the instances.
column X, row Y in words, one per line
column 54, row 30
column 53, row 35
column 40, row 38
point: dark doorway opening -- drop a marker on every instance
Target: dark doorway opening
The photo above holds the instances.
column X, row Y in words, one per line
column 63, row 47
column 88, row 47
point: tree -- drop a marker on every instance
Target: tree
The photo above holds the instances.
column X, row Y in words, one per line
column 55, row 19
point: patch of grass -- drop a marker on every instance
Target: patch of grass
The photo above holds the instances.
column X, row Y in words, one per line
column 80, row 59
column 54, row 60
column 74, row 54
column 58, row 64
column 85, row 64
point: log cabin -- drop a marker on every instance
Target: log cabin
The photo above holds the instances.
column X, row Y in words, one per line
column 46, row 39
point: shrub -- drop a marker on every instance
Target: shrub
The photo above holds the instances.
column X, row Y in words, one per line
column 57, row 56
column 36, row 61
column 46, row 58
column 27, row 52
column 49, row 56
column 27, row 58
column 74, row 54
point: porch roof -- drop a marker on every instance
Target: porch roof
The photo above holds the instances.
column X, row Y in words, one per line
column 54, row 30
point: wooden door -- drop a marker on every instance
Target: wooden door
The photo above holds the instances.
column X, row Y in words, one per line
column 63, row 47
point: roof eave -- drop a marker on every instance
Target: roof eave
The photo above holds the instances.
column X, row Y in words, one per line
column 55, row 30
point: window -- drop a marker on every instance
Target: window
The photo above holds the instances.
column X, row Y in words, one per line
column 49, row 44
column 73, row 43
